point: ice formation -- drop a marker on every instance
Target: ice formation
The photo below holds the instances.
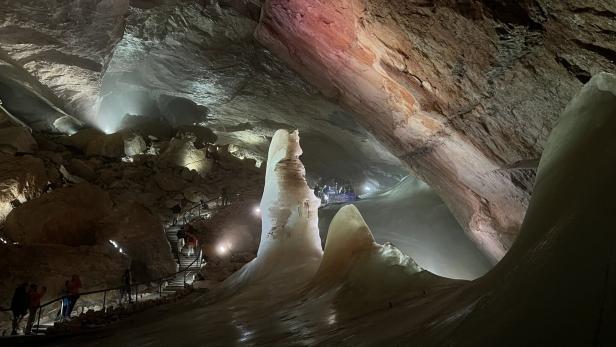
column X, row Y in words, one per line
column 290, row 241
column 353, row 262
column 412, row 217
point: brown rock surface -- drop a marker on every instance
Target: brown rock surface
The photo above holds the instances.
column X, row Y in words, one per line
column 141, row 236
column 20, row 177
column 17, row 139
column 66, row 216
column 461, row 92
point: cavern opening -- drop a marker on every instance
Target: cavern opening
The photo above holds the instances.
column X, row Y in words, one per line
column 291, row 172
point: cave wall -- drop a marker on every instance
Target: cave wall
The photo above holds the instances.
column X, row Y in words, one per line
column 64, row 45
column 465, row 93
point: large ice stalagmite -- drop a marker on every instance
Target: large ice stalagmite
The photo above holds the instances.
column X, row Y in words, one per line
column 290, row 242
column 289, row 207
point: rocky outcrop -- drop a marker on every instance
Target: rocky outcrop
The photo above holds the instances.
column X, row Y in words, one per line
column 460, row 92
column 17, row 140
column 21, row 178
column 67, row 216
column 84, row 216
column 182, row 152
column 141, row 236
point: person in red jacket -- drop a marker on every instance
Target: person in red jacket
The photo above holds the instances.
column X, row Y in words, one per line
column 34, row 296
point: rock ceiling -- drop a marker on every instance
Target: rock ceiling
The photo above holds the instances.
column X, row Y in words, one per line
column 463, row 93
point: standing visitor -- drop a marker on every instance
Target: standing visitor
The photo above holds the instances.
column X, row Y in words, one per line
column 176, row 210
column 127, row 281
column 34, row 296
column 63, row 301
column 73, row 294
column 19, row 305
column 225, row 197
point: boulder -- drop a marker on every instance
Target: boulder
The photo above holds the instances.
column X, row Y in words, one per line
column 17, row 140
column 20, row 177
column 168, row 182
column 182, row 152
column 147, row 126
column 142, row 237
column 194, row 194
column 82, row 169
column 202, row 135
column 81, row 139
column 110, row 146
column 66, row 216
column 134, row 144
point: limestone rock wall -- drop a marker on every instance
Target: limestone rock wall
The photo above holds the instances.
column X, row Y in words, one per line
column 461, row 92
column 66, row 45
column 20, row 177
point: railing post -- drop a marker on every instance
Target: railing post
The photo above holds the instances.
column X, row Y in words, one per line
column 136, row 293
column 160, row 289
column 104, row 300
column 38, row 323
column 184, row 278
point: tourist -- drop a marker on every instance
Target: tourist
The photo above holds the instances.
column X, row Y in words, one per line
column 176, row 210
column 64, row 301
column 19, row 305
column 191, row 243
column 182, row 234
column 225, row 197
column 34, row 296
column 73, row 294
column 127, row 281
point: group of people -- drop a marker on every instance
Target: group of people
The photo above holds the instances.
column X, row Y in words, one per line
column 335, row 188
column 27, row 301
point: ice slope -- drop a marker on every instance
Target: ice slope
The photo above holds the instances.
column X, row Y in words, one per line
column 554, row 288
column 413, row 218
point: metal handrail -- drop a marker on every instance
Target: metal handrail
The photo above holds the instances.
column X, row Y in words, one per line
column 160, row 280
column 199, row 204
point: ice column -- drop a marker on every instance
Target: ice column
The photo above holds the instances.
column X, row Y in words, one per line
column 289, row 208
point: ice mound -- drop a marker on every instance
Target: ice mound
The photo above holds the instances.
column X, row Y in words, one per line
column 290, row 241
column 353, row 263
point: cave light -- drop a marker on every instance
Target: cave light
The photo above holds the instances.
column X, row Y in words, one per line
column 116, row 246
column 257, row 211
column 221, row 249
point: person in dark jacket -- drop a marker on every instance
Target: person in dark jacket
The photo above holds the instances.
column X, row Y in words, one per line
column 19, row 305
column 176, row 210
column 127, row 281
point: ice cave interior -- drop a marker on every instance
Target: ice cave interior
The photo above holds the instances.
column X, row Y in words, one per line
column 307, row 172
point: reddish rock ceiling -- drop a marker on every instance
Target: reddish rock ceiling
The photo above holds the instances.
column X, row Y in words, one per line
column 463, row 93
